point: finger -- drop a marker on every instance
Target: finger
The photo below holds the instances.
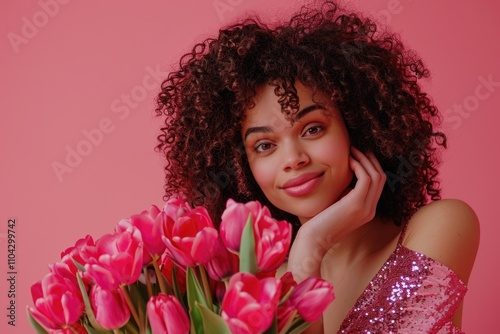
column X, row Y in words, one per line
column 367, row 163
column 375, row 174
column 363, row 179
column 375, row 162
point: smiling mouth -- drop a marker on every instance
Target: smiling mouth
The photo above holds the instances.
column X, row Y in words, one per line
column 303, row 184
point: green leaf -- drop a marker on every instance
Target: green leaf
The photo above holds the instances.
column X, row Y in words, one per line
column 88, row 308
column 36, row 326
column 212, row 322
column 129, row 328
column 285, row 297
column 139, row 299
column 78, row 265
column 175, row 287
column 248, row 259
column 298, row 327
column 288, row 324
column 90, row 329
column 195, row 295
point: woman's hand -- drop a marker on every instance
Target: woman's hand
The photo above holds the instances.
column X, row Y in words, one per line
column 357, row 207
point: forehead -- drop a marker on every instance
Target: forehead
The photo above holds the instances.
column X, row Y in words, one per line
column 267, row 109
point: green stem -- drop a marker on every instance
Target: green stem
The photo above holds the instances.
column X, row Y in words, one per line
column 206, row 287
column 132, row 308
column 159, row 275
column 129, row 328
column 148, row 282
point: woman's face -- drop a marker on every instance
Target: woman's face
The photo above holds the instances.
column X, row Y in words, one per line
column 301, row 168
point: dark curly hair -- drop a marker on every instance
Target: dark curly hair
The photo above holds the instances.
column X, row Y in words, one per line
column 370, row 76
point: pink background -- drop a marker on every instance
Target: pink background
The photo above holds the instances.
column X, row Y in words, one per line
column 71, row 70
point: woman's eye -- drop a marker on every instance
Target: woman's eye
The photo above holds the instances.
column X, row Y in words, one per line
column 313, row 130
column 263, row 147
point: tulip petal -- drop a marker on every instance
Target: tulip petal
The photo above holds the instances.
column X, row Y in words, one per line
column 110, row 308
column 203, row 247
column 166, row 315
column 42, row 319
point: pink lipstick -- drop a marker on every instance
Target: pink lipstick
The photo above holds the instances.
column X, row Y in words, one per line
column 302, row 184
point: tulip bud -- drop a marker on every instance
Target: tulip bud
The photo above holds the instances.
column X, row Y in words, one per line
column 110, row 308
column 249, row 304
column 311, row 298
column 166, row 315
column 118, row 259
column 233, row 221
column 272, row 237
column 58, row 302
column 149, row 223
column 189, row 234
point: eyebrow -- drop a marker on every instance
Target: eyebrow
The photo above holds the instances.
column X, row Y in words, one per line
column 265, row 129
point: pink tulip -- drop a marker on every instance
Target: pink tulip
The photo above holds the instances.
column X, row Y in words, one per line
column 272, row 237
column 149, row 223
column 311, row 298
column 166, row 315
column 110, row 308
column 249, row 304
column 176, row 208
column 189, row 234
column 118, row 259
column 81, row 252
column 63, row 269
column 223, row 264
column 233, row 221
column 58, row 302
column 272, row 241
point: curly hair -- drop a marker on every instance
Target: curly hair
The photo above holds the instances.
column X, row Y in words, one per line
column 368, row 73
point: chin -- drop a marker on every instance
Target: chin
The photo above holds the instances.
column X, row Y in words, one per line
column 304, row 212
column 306, row 209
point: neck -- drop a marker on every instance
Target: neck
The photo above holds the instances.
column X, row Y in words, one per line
column 366, row 240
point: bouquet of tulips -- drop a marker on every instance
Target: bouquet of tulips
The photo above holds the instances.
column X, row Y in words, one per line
column 171, row 271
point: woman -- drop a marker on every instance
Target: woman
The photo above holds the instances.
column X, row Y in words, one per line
column 323, row 120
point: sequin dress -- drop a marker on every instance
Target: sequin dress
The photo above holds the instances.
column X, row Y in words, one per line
column 411, row 293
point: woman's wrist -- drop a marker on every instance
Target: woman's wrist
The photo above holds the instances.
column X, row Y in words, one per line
column 306, row 255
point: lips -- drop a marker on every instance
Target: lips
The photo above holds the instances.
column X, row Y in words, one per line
column 302, row 184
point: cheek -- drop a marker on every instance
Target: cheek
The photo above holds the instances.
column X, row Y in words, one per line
column 263, row 174
column 333, row 155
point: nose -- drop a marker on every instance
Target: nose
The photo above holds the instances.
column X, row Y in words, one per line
column 295, row 156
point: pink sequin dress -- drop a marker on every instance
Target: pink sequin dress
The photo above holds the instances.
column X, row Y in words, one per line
column 411, row 293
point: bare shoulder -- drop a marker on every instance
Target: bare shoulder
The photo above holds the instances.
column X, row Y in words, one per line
column 446, row 231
